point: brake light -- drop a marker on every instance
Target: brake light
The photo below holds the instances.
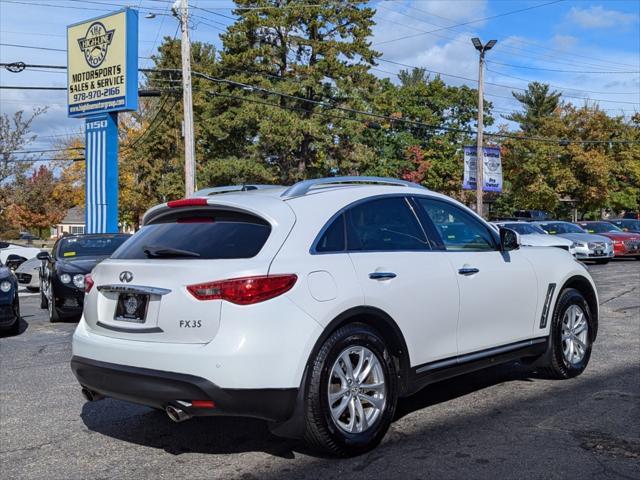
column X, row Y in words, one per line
column 203, row 404
column 245, row 290
column 88, row 283
column 187, row 202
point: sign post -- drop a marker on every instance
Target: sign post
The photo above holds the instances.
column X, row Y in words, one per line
column 102, row 69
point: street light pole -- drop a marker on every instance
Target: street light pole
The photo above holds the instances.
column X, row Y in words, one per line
column 189, row 143
column 479, row 151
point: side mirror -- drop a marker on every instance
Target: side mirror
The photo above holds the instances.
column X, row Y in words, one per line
column 14, row 261
column 43, row 256
column 509, row 240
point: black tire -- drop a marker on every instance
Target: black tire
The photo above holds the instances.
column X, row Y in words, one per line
column 555, row 365
column 603, row 262
column 321, row 431
column 15, row 328
column 53, row 311
column 43, row 298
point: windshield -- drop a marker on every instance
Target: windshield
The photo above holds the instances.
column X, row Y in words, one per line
column 90, row 246
column 561, row 227
column 600, row 227
column 629, row 224
column 525, row 228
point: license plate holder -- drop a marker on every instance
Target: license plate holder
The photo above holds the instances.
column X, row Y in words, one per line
column 131, row 307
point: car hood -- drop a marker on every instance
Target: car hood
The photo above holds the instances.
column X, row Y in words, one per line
column 540, row 240
column 29, row 265
column 620, row 236
column 5, row 273
column 80, row 264
column 584, row 237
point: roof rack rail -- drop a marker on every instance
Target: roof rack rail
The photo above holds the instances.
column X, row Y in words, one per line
column 302, row 188
column 205, row 192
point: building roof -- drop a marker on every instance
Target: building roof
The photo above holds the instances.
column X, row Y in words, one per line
column 74, row 216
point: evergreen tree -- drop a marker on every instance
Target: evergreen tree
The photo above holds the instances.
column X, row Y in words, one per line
column 538, row 103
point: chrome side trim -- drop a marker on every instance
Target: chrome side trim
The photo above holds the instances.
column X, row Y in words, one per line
column 140, row 289
column 547, row 303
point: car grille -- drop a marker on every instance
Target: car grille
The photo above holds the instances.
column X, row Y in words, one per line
column 632, row 244
column 597, row 245
column 23, row 277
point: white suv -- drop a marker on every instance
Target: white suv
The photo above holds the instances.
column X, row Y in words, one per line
column 317, row 306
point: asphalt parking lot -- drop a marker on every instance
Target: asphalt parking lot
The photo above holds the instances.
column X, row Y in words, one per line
column 507, row 422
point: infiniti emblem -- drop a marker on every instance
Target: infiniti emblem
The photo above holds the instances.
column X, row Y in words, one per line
column 126, row 276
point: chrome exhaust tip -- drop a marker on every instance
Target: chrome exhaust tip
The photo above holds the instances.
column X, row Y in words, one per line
column 91, row 396
column 176, row 414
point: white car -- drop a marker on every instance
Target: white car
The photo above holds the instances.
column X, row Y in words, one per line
column 532, row 235
column 317, row 306
column 28, row 274
column 13, row 249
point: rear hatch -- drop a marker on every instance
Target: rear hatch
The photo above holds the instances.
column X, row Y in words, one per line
column 141, row 292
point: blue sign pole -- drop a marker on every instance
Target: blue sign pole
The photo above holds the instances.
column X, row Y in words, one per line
column 101, row 153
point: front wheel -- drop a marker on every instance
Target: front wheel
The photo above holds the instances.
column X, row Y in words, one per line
column 570, row 337
column 352, row 392
column 51, row 305
column 43, row 297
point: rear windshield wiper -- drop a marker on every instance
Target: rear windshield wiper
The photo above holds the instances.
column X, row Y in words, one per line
column 155, row 251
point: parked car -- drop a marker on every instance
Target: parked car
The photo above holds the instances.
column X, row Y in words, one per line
column 587, row 246
column 62, row 272
column 632, row 215
column 319, row 305
column 533, row 236
column 7, row 249
column 624, row 244
column 532, row 215
column 9, row 301
column 627, row 224
column 28, row 274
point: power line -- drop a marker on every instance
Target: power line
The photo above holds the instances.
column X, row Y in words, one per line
column 477, row 20
column 562, row 71
column 46, row 151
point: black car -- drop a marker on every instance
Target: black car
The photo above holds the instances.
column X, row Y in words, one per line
column 9, row 301
column 627, row 224
column 62, row 273
column 532, row 215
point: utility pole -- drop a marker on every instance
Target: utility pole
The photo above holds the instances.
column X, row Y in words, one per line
column 181, row 10
column 479, row 151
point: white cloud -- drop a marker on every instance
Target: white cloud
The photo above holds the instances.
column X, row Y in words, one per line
column 599, row 17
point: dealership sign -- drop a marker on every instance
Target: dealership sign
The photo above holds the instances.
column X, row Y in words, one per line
column 491, row 172
column 102, row 61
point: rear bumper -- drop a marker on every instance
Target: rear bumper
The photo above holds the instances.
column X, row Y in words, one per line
column 156, row 388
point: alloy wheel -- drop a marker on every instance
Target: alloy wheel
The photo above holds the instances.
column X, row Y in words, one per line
column 575, row 331
column 357, row 389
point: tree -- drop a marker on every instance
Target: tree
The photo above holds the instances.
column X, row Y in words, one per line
column 35, row 207
column 538, row 104
column 303, row 48
column 413, row 78
column 15, row 135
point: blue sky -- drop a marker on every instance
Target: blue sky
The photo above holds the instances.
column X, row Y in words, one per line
column 568, row 43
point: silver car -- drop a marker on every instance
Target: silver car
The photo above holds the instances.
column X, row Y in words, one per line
column 587, row 246
column 29, row 274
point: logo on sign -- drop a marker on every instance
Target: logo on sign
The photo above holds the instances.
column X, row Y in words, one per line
column 95, row 44
column 126, row 277
column 131, row 305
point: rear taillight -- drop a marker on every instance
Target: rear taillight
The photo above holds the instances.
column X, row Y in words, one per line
column 88, row 283
column 246, row 290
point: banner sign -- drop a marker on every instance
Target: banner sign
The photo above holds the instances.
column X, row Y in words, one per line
column 492, row 169
column 101, row 153
column 102, row 64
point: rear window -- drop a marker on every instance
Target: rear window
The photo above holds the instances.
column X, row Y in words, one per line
column 208, row 235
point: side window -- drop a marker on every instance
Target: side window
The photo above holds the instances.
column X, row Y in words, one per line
column 333, row 238
column 458, row 230
column 384, row 224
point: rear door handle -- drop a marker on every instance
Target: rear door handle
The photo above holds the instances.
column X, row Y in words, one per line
column 467, row 271
column 382, row 275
